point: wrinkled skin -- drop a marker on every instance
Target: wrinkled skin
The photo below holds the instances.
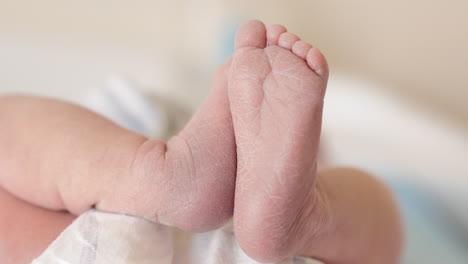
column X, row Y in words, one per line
column 249, row 152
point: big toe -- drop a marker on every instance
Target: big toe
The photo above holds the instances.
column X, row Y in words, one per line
column 251, row 34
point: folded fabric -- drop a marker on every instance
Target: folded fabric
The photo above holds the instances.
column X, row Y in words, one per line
column 102, row 238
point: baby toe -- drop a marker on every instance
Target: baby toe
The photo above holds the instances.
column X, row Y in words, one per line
column 317, row 62
column 251, row 34
column 274, row 32
column 301, row 48
column 287, row 40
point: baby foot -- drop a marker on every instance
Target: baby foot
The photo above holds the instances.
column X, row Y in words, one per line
column 188, row 182
column 276, row 88
column 205, row 175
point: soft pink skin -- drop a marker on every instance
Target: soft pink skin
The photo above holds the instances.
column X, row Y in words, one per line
column 283, row 206
column 26, row 230
column 62, row 157
column 74, row 159
column 276, row 102
column 59, row 156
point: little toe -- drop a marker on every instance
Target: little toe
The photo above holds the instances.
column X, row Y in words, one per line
column 317, row 62
column 287, row 40
column 274, row 32
column 251, row 34
column 301, row 48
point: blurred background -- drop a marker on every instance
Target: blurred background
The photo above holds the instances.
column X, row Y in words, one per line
column 397, row 98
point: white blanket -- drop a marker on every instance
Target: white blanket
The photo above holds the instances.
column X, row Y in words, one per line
column 101, row 238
